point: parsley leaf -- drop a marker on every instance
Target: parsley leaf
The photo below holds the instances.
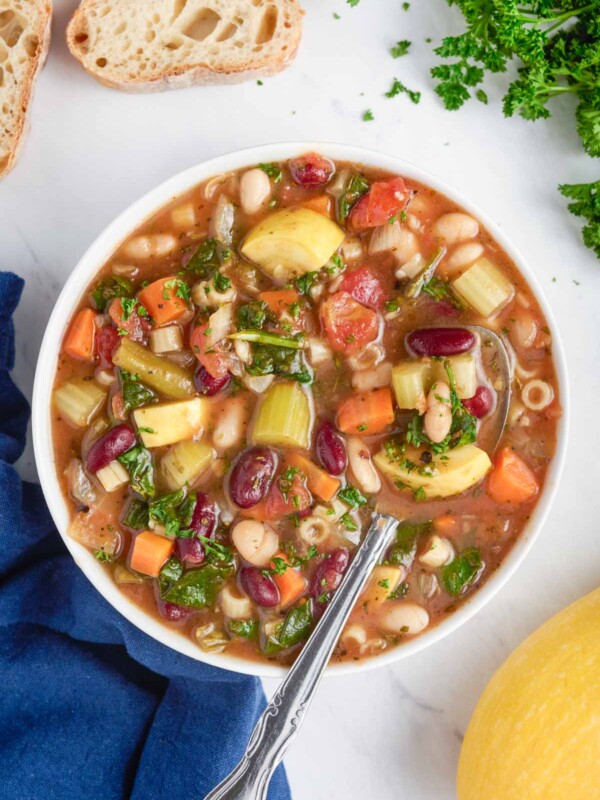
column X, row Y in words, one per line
column 401, row 48
column 399, row 88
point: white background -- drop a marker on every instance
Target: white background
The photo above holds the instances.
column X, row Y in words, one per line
column 394, row 732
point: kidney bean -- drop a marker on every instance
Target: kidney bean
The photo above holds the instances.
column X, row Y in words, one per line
column 207, row 385
column 204, row 517
column 172, row 611
column 190, row 550
column 311, row 169
column 109, row 447
column 260, row 588
column 481, row 403
column 440, row 341
column 331, row 449
column 251, row 476
column 106, row 340
column 328, row 575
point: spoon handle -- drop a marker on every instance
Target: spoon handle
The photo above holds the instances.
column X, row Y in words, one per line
column 281, row 720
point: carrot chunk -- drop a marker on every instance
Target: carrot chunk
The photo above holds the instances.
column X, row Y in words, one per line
column 447, row 524
column 367, row 412
column 511, row 480
column 279, row 300
column 79, row 341
column 321, row 204
column 150, row 551
column 161, row 300
column 291, row 584
column 320, row 482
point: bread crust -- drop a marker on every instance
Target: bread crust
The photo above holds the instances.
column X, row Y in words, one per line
column 182, row 76
column 36, row 64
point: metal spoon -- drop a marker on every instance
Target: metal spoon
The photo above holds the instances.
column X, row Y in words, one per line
column 277, row 727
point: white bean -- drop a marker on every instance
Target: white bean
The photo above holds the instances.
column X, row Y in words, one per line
column 255, row 542
column 438, row 417
column 401, row 617
column 372, row 378
column 410, row 268
column 205, row 295
column 255, row 188
column 464, row 255
column 455, row 227
column 438, row 551
column 361, row 465
column 313, row 530
column 163, row 244
column 138, row 247
column 231, row 423
column 234, row 604
column 524, row 329
column 537, row 395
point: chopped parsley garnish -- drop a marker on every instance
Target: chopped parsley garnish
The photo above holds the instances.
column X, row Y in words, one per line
column 348, row 522
column 272, row 170
column 355, row 188
column 304, row 282
column 368, row 116
column 102, row 556
column 399, row 88
column 401, row 48
column 352, row 497
column 221, row 282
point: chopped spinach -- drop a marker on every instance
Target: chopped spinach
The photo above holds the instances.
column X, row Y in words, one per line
column 198, row 588
column 137, row 516
column 109, row 288
column 253, row 316
column 463, row 571
column 207, row 258
column 294, row 629
column 355, row 188
column 169, row 575
column 174, row 511
column 135, row 394
column 402, row 552
column 246, row 628
column 138, row 463
column 282, row 361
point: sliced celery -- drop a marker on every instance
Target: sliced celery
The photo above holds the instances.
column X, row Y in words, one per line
column 410, row 380
column 185, row 462
column 157, row 372
column 113, row 476
column 465, row 374
column 78, row 401
column 167, row 423
column 484, row 287
column 263, row 337
column 283, row 418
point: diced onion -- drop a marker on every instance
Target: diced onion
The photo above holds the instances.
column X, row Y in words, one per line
column 80, row 486
column 219, row 324
column 395, row 238
column 221, row 225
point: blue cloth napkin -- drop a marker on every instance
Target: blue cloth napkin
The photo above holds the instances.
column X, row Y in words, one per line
column 91, row 707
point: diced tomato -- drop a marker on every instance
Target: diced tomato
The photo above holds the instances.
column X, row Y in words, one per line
column 107, row 340
column 364, row 286
column 348, row 324
column 213, row 359
column 136, row 327
column 298, row 499
column 383, row 200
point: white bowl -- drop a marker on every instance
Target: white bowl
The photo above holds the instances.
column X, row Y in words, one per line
column 88, row 266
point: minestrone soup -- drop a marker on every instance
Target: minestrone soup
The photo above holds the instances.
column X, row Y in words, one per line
column 270, row 358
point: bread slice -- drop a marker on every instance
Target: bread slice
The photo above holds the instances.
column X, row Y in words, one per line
column 149, row 45
column 24, row 42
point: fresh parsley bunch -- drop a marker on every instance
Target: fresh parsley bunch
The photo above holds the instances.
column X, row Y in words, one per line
column 557, row 45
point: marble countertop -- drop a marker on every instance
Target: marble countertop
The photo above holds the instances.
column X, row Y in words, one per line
column 396, row 731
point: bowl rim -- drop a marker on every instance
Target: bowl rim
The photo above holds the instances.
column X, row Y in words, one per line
column 99, row 252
